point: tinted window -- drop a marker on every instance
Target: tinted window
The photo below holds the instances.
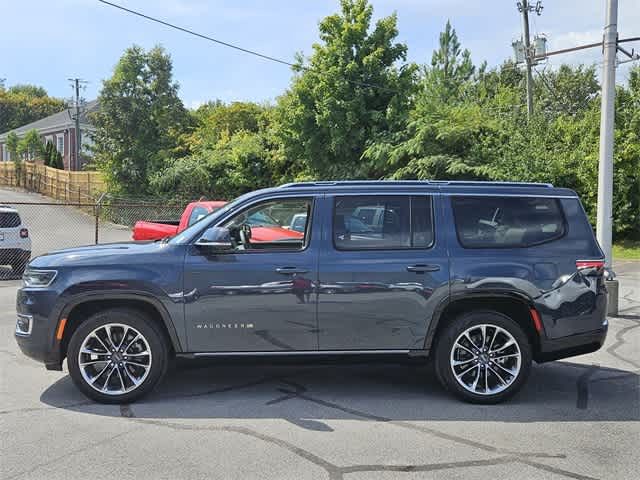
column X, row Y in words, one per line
column 498, row 222
column 299, row 223
column 9, row 220
column 382, row 222
column 270, row 224
column 197, row 214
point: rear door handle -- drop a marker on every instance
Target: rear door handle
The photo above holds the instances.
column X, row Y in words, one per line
column 291, row 270
column 420, row 268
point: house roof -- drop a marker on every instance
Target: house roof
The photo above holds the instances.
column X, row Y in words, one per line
column 57, row 121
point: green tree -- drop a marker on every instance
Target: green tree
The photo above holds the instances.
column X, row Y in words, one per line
column 52, row 157
column 451, row 67
column 30, row 147
column 350, row 93
column 217, row 120
column 12, row 145
column 139, row 120
column 48, row 147
column 444, row 129
column 23, row 104
column 237, row 164
column 569, row 90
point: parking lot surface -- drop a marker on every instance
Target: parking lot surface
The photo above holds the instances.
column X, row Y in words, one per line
column 577, row 418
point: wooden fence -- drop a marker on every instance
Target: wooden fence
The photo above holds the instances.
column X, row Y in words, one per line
column 52, row 182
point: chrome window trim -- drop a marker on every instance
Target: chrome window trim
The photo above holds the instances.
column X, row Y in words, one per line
column 528, row 195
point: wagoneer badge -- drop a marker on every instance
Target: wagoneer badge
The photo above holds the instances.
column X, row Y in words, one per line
column 224, row 325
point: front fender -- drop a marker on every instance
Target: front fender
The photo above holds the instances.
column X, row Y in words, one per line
column 77, row 299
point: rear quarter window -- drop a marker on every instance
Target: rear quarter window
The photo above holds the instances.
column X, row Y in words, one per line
column 507, row 222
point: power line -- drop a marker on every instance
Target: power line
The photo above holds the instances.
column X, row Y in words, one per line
column 237, row 47
column 205, row 37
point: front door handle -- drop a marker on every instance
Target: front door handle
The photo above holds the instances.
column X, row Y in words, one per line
column 291, row 270
column 421, row 268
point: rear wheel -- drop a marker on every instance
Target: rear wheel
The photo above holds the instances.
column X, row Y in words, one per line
column 483, row 357
column 117, row 356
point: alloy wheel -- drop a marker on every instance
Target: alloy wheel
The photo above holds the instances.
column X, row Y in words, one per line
column 485, row 359
column 114, row 359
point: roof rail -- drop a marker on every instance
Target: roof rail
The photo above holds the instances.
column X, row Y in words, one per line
column 412, row 182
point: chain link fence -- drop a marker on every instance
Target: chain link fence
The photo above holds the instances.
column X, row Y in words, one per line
column 32, row 224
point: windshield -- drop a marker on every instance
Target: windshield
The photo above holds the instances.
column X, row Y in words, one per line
column 186, row 235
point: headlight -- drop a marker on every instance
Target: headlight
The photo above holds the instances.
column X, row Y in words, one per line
column 38, row 278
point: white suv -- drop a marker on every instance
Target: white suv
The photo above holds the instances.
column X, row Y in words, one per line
column 15, row 244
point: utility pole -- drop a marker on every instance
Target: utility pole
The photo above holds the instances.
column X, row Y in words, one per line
column 607, row 113
column 524, row 8
column 75, row 165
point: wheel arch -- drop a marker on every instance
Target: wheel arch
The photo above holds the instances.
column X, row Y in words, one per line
column 513, row 305
column 83, row 306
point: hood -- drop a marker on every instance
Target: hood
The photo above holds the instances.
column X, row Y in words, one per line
column 125, row 252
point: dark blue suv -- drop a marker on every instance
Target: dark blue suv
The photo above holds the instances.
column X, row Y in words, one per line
column 482, row 277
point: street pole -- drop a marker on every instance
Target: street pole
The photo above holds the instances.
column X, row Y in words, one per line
column 527, row 56
column 607, row 113
column 78, row 139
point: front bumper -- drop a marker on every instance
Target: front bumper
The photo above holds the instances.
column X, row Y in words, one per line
column 41, row 344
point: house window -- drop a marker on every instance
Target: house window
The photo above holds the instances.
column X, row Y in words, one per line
column 48, row 138
column 60, row 143
column 5, row 153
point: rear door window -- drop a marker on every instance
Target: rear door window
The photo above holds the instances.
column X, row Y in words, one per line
column 382, row 222
column 507, row 222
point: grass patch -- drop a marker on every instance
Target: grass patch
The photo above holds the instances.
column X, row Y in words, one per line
column 627, row 250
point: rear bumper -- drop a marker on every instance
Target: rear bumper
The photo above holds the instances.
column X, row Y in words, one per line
column 579, row 344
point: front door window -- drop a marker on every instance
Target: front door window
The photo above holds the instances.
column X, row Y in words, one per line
column 272, row 225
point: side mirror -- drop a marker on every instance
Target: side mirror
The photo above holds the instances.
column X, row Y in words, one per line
column 216, row 239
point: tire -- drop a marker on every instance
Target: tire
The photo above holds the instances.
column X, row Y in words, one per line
column 140, row 362
column 463, row 369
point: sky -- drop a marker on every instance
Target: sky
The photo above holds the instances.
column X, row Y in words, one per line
column 45, row 43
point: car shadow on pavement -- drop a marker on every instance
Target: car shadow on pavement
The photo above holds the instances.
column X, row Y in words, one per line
column 305, row 395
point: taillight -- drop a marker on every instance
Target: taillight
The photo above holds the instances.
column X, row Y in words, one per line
column 24, row 233
column 590, row 268
column 596, row 264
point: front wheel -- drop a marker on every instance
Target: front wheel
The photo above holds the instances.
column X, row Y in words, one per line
column 117, row 356
column 483, row 357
